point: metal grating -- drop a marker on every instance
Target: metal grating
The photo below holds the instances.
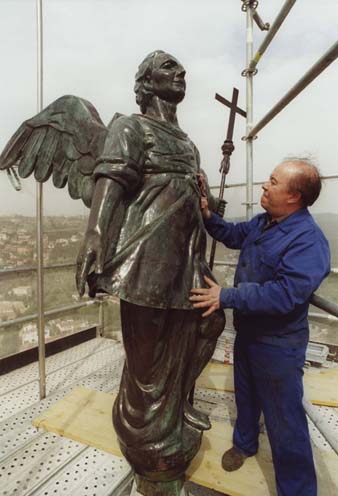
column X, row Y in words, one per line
column 77, row 477
column 101, row 370
column 35, row 462
column 330, row 416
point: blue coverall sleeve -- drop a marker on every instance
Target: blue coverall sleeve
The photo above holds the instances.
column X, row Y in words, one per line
column 300, row 272
column 230, row 234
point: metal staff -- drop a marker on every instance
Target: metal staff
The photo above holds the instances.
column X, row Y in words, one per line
column 227, row 149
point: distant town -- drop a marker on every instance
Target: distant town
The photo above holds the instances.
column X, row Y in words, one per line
column 61, row 241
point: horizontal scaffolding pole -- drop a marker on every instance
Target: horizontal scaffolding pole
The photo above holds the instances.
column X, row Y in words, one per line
column 48, row 313
column 322, row 425
column 226, row 264
column 322, row 316
column 271, row 34
column 22, row 270
column 328, row 306
column 259, row 183
column 327, row 59
column 334, row 270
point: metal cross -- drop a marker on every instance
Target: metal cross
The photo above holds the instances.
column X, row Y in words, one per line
column 233, row 110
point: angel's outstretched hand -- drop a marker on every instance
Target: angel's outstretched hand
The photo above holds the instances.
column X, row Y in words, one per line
column 207, row 297
column 90, row 253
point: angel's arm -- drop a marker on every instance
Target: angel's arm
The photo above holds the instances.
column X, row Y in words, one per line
column 107, row 196
column 117, row 175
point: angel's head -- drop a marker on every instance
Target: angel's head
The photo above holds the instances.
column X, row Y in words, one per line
column 162, row 75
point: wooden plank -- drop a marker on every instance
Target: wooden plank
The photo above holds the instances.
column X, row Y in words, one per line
column 320, row 385
column 85, row 416
column 254, row 478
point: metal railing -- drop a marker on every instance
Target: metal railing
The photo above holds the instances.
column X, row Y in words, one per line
column 249, row 7
column 260, row 183
column 333, row 270
column 328, row 306
column 271, row 34
column 327, row 59
column 48, row 313
column 23, row 270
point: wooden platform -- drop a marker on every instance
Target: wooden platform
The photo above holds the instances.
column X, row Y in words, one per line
column 320, row 385
column 85, row 415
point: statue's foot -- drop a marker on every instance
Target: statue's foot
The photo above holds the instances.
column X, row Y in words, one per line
column 195, row 418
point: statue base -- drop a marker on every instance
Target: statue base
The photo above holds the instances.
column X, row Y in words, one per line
column 145, row 487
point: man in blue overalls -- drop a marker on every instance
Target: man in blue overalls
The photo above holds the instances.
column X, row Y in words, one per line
column 284, row 257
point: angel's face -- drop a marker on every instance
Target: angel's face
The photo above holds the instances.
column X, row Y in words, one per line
column 168, row 78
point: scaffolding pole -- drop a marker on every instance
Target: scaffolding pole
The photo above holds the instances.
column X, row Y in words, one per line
column 249, row 112
column 327, row 59
column 324, row 428
column 39, row 218
column 251, row 67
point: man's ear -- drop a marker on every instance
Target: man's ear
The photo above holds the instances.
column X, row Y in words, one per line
column 295, row 197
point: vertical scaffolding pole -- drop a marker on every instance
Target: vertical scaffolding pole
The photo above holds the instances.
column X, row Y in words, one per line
column 249, row 112
column 39, row 217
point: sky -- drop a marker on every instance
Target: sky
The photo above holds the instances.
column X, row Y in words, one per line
column 92, row 49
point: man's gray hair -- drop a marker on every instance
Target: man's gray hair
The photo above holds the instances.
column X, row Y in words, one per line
column 307, row 181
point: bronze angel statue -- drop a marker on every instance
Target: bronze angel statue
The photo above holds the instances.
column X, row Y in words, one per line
column 146, row 243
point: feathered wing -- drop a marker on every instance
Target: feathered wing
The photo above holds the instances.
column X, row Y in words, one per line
column 64, row 140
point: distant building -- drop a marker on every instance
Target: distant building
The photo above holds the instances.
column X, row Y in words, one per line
column 9, row 310
column 22, row 291
column 29, row 334
column 62, row 242
column 66, row 326
column 23, row 250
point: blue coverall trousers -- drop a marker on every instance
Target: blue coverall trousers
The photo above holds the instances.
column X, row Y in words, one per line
column 268, row 378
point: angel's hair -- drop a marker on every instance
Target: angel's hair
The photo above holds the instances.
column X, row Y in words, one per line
column 145, row 69
column 307, row 181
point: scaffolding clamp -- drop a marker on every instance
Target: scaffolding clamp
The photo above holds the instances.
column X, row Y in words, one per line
column 249, row 203
column 14, row 178
column 249, row 72
column 263, row 26
column 249, row 3
column 252, row 138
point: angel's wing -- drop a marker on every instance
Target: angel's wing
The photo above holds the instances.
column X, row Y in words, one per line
column 65, row 139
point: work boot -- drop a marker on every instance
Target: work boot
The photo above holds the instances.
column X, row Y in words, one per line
column 195, row 418
column 233, row 459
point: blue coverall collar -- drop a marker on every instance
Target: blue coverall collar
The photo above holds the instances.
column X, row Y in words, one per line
column 287, row 224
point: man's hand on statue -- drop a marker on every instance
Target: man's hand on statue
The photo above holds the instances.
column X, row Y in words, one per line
column 207, row 297
column 206, row 214
column 91, row 252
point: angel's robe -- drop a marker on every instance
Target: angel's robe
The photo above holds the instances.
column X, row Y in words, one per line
column 158, row 253
column 155, row 254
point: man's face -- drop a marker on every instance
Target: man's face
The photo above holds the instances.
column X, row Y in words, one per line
column 276, row 198
column 167, row 78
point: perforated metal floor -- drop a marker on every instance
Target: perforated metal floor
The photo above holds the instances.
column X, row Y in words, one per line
column 35, row 462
